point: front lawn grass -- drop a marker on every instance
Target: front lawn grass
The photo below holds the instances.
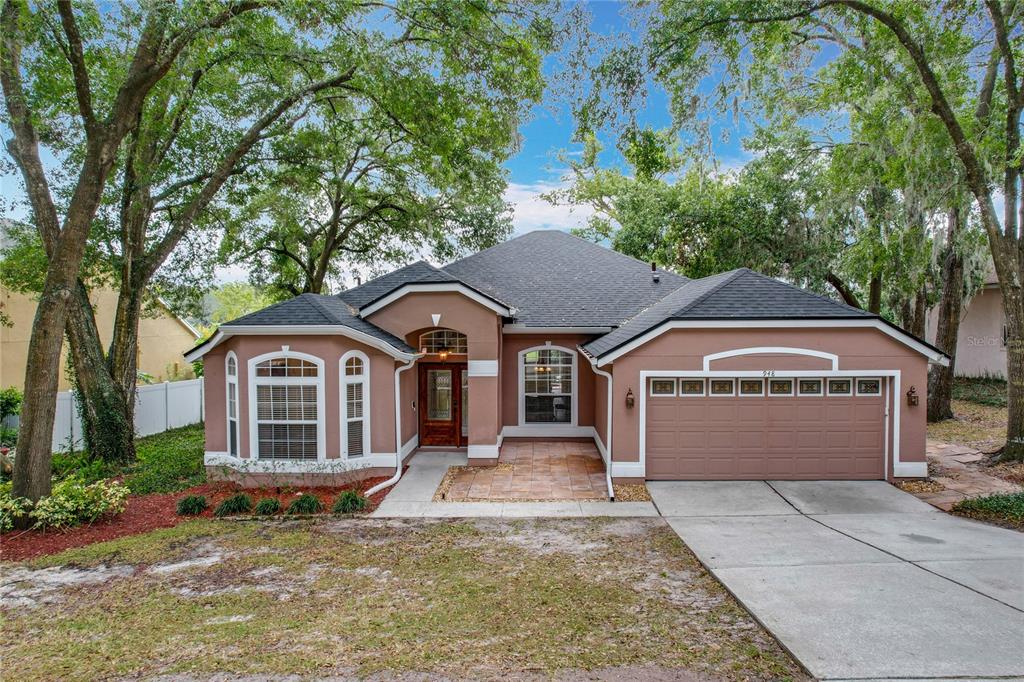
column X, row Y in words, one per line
column 1006, row 509
column 465, row 599
column 975, row 425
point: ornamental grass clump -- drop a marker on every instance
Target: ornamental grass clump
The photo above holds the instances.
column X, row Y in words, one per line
column 236, row 504
column 305, row 504
column 349, row 502
column 267, row 506
column 192, row 505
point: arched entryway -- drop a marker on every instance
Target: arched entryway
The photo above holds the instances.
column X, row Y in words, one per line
column 443, row 388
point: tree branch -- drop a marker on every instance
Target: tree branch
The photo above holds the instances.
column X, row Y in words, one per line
column 77, row 60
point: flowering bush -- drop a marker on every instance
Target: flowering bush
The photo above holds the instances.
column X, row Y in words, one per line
column 72, row 502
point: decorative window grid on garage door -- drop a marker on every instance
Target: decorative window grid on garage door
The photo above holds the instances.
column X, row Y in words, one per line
column 750, row 427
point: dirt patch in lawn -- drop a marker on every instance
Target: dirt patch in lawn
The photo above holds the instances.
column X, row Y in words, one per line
column 151, row 512
column 425, row 599
column 982, row 427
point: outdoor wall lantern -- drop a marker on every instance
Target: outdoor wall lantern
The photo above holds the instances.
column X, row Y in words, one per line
column 912, row 396
column 443, row 354
column 630, row 400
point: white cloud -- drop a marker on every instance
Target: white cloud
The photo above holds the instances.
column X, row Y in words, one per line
column 533, row 212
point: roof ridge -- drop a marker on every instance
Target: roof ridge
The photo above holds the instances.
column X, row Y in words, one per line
column 732, row 275
column 573, row 236
column 386, row 274
column 315, row 300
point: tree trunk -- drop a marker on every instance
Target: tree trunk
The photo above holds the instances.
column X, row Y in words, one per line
column 107, row 424
column 940, row 379
column 917, row 326
column 875, row 295
column 123, row 356
column 31, row 477
column 1013, row 306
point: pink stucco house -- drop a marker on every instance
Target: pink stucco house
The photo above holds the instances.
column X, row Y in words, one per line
column 546, row 336
column 981, row 336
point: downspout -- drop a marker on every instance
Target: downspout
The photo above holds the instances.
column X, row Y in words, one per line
column 608, row 445
column 398, row 433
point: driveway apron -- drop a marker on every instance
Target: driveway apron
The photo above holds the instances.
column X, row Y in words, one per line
column 859, row 580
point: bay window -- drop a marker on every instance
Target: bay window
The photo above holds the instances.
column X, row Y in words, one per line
column 288, row 419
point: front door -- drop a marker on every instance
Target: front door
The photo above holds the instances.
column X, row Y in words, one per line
column 443, row 388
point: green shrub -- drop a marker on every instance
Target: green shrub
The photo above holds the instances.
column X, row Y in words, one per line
column 192, row 505
column 236, row 504
column 73, row 502
column 11, row 507
column 8, row 436
column 1007, row 508
column 305, row 504
column 268, row 506
column 10, row 402
column 81, row 466
column 989, row 391
column 349, row 502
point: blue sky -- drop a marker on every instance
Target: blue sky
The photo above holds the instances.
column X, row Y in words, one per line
column 535, row 169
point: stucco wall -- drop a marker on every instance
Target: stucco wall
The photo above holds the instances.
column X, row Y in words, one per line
column 412, row 314
column 513, row 344
column 979, row 351
column 858, row 349
column 329, row 349
column 162, row 339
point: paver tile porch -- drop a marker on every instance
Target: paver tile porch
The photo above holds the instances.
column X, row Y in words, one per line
column 527, row 470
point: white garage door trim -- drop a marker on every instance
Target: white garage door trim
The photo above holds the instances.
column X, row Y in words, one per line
column 899, row 469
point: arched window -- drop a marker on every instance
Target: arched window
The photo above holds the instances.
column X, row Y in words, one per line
column 355, row 404
column 443, row 340
column 287, row 422
column 231, row 374
column 548, row 389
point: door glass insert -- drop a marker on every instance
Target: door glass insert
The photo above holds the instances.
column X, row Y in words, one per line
column 439, row 394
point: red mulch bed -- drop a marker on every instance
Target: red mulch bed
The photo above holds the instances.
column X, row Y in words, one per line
column 149, row 512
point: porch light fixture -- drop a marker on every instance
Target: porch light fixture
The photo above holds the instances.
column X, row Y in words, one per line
column 630, row 400
column 912, row 398
column 443, row 354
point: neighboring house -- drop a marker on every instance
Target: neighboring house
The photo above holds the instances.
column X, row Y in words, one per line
column 981, row 339
column 161, row 338
column 547, row 336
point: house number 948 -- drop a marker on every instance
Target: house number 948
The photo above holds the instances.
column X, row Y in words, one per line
column 769, row 372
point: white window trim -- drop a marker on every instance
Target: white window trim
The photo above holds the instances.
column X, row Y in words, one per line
column 856, row 387
column 741, row 394
column 819, row 394
column 730, row 394
column 792, row 387
column 675, row 388
column 828, row 388
column 228, row 380
column 345, row 380
column 703, row 387
column 415, row 287
column 770, row 350
column 891, row 413
column 521, row 368
column 318, row 381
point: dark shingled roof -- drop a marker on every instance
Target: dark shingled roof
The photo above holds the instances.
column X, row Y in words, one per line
column 554, row 279
column 738, row 294
column 314, row 309
column 420, row 272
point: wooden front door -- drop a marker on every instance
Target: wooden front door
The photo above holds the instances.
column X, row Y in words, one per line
column 443, row 416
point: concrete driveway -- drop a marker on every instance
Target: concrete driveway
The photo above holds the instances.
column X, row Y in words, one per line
column 858, row 579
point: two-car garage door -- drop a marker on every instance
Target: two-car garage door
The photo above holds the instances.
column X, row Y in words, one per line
column 696, row 429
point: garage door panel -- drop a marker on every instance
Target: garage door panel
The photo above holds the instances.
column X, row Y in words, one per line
column 747, row 437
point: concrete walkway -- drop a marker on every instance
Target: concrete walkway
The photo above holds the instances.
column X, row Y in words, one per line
column 413, row 497
column 859, row 580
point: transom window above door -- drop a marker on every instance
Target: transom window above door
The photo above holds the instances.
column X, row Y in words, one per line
column 443, row 341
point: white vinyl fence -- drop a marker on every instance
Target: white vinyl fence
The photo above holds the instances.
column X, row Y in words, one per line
column 158, row 407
